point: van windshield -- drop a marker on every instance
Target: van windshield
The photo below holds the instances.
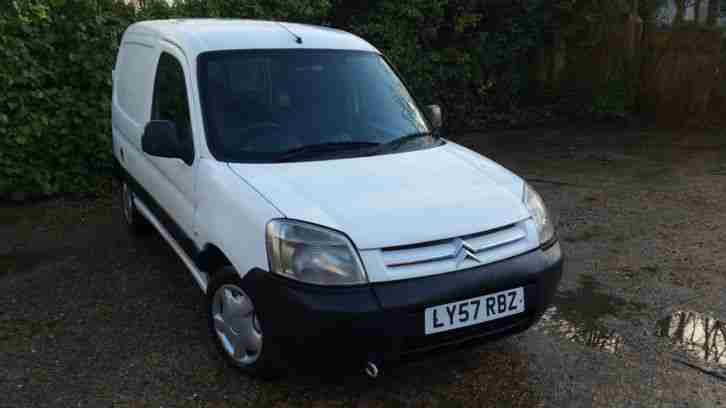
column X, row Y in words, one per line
column 295, row 105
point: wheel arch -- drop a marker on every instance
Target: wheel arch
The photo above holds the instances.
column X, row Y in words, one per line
column 212, row 258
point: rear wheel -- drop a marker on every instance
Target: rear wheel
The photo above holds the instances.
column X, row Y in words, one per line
column 132, row 217
column 237, row 328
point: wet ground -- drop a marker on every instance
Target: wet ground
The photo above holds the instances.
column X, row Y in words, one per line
column 90, row 316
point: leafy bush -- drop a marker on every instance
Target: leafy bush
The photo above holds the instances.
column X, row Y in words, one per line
column 473, row 57
column 55, row 84
column 54, row 109
column 290, row 10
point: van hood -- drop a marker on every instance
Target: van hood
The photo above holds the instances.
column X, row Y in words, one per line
column 394, row 199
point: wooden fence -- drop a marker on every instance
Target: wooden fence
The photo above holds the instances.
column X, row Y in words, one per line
column 682, row 77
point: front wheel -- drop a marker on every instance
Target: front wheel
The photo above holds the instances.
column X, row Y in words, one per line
column 237, row 329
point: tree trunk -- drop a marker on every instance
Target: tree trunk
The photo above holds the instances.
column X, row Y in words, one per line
column 680, row 11
column 697, row 11
column 713, row 13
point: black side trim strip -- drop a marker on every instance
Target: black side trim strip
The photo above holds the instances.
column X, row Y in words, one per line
column 181, row 237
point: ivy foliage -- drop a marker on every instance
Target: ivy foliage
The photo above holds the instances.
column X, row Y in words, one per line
column 472, row 57
column 55, row 88
column 469, row 56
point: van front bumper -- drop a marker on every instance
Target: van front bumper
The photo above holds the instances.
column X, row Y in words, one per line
column 385, row 321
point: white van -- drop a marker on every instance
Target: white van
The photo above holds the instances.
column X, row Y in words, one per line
column 313, row 200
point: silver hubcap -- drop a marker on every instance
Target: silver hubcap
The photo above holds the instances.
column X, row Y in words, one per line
column 128, row 203
column 236, row 324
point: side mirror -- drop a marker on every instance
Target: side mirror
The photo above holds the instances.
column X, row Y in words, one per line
column 161, row 139
column 435, row 117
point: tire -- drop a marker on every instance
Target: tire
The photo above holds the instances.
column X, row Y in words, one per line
column 134, row 220
column 228, row 292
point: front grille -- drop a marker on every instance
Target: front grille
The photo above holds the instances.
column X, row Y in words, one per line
column 458, row 252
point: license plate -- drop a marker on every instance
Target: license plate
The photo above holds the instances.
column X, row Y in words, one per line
column 474, row 311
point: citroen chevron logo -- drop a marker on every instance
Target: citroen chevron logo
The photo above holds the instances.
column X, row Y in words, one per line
column 464, row 252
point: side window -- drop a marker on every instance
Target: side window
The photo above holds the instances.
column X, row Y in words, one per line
column 170, row 97
column 132, row 86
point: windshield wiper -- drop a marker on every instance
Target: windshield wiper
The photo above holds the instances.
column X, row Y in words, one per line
column 329, row 147
column 396, row 144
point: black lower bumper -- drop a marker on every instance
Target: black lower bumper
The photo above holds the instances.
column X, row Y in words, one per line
column 385, row 321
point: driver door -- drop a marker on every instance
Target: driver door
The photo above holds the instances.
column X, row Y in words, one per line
column 174, row 182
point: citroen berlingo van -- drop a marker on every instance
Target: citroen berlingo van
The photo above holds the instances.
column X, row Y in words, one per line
column 315, row 202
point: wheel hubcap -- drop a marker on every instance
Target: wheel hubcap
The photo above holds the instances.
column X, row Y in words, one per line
column 128, row 203
column 236, row 324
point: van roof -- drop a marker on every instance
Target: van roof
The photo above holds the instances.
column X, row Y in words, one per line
column 196, row 36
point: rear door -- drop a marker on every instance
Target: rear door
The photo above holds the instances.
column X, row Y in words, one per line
column 173, row 182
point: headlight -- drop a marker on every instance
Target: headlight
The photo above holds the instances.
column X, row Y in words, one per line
column 538, row 210
column 312, row 254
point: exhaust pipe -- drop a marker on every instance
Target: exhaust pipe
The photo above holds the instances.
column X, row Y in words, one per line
column 371, row 370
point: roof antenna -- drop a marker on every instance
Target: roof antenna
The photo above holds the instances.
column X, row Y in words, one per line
column 298, row 39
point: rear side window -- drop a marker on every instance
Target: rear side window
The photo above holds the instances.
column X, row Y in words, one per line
column 135, row 60
column 170, row 97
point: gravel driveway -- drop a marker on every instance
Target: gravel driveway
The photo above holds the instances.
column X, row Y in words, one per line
column 90, row 316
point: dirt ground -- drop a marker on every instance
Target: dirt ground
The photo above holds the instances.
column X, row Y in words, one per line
column 90, row 316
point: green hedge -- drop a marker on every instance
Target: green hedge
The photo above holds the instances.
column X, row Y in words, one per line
column 55, row 89
column 468, row 57
column 55, row 84
column 57, row 56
